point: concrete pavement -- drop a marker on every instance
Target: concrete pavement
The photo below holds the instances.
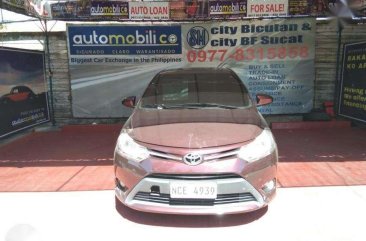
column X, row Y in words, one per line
column 297, row 214
column 56, row 186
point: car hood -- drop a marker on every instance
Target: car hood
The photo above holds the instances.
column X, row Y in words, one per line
column 195, row 128
column 195, row 135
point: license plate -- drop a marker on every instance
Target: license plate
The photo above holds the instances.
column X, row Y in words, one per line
column 194, row 190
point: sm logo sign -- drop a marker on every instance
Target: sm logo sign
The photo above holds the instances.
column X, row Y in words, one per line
column 197, row 37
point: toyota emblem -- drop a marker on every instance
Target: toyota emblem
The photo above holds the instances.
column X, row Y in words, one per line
column 192, row 159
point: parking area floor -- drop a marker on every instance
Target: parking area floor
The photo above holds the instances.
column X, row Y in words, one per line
column 57, row 185
column 296, row 214
column 77, row 158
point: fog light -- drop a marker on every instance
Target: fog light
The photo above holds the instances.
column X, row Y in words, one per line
column 120, row 185
column 155, row 190
column 268, row 187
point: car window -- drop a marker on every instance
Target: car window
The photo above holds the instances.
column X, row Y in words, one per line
column 172, row 89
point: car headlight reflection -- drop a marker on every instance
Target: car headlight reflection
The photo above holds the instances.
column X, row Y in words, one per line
column 262, row 146
column 129, row 149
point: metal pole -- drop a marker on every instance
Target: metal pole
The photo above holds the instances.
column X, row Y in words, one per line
column 49, row 72
column 337, row 80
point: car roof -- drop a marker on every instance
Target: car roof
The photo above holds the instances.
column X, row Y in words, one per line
column 21, row 87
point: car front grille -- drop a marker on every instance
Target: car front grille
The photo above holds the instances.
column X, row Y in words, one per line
column 221, row 199
column 206, row 157
column 194, row 176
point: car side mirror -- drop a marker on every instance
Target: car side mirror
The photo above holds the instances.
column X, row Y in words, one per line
column 263, row 99
column 129, row 101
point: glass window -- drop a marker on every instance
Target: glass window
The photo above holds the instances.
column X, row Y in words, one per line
column 171, row 89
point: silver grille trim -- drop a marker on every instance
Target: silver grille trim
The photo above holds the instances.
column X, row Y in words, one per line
column 206, row 157
column 220, row 155
column 198, row 177
column 164, row 198
column 165, row 155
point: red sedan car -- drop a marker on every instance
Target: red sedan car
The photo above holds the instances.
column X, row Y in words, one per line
column 18, row 93
column 196, row 144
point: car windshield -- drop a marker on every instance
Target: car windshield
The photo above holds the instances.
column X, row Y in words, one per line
column 195, row 90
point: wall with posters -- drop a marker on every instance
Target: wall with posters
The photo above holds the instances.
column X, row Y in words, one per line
column 182, row 9
column 23, row 98
column 326, row 57
column 326, row 43
column 109, row 62
column 352, row 96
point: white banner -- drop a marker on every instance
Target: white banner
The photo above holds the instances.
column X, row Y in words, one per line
column 149, row 10
column 267, row 8
column 270, row 56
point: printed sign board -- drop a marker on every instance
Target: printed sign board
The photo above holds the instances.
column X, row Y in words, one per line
column 122, row 43
column 149, row 10
column 14, row 3
column 228, row 8
column 358, row 7
column 352, row 102
column 270, row 56
column 110, row 8
column 23, row 94
column 69, row 10
column 267, row 8
column 311, row 7
column 299, row 7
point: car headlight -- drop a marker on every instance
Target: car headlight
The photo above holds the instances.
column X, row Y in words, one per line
column 262, row 146
column 129, row 149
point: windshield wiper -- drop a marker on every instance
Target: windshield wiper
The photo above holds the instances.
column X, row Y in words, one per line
column 155, row 106
column 162, row 106
column 189, row 106
column 200, row 105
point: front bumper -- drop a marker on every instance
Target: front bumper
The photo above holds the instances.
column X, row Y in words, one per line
column 141, row 198
column 239, row 189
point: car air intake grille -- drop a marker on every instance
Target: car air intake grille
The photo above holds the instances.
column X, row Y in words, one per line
column 221, row 199
column 194, row 176
column 206, row 157
column 155, row 198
